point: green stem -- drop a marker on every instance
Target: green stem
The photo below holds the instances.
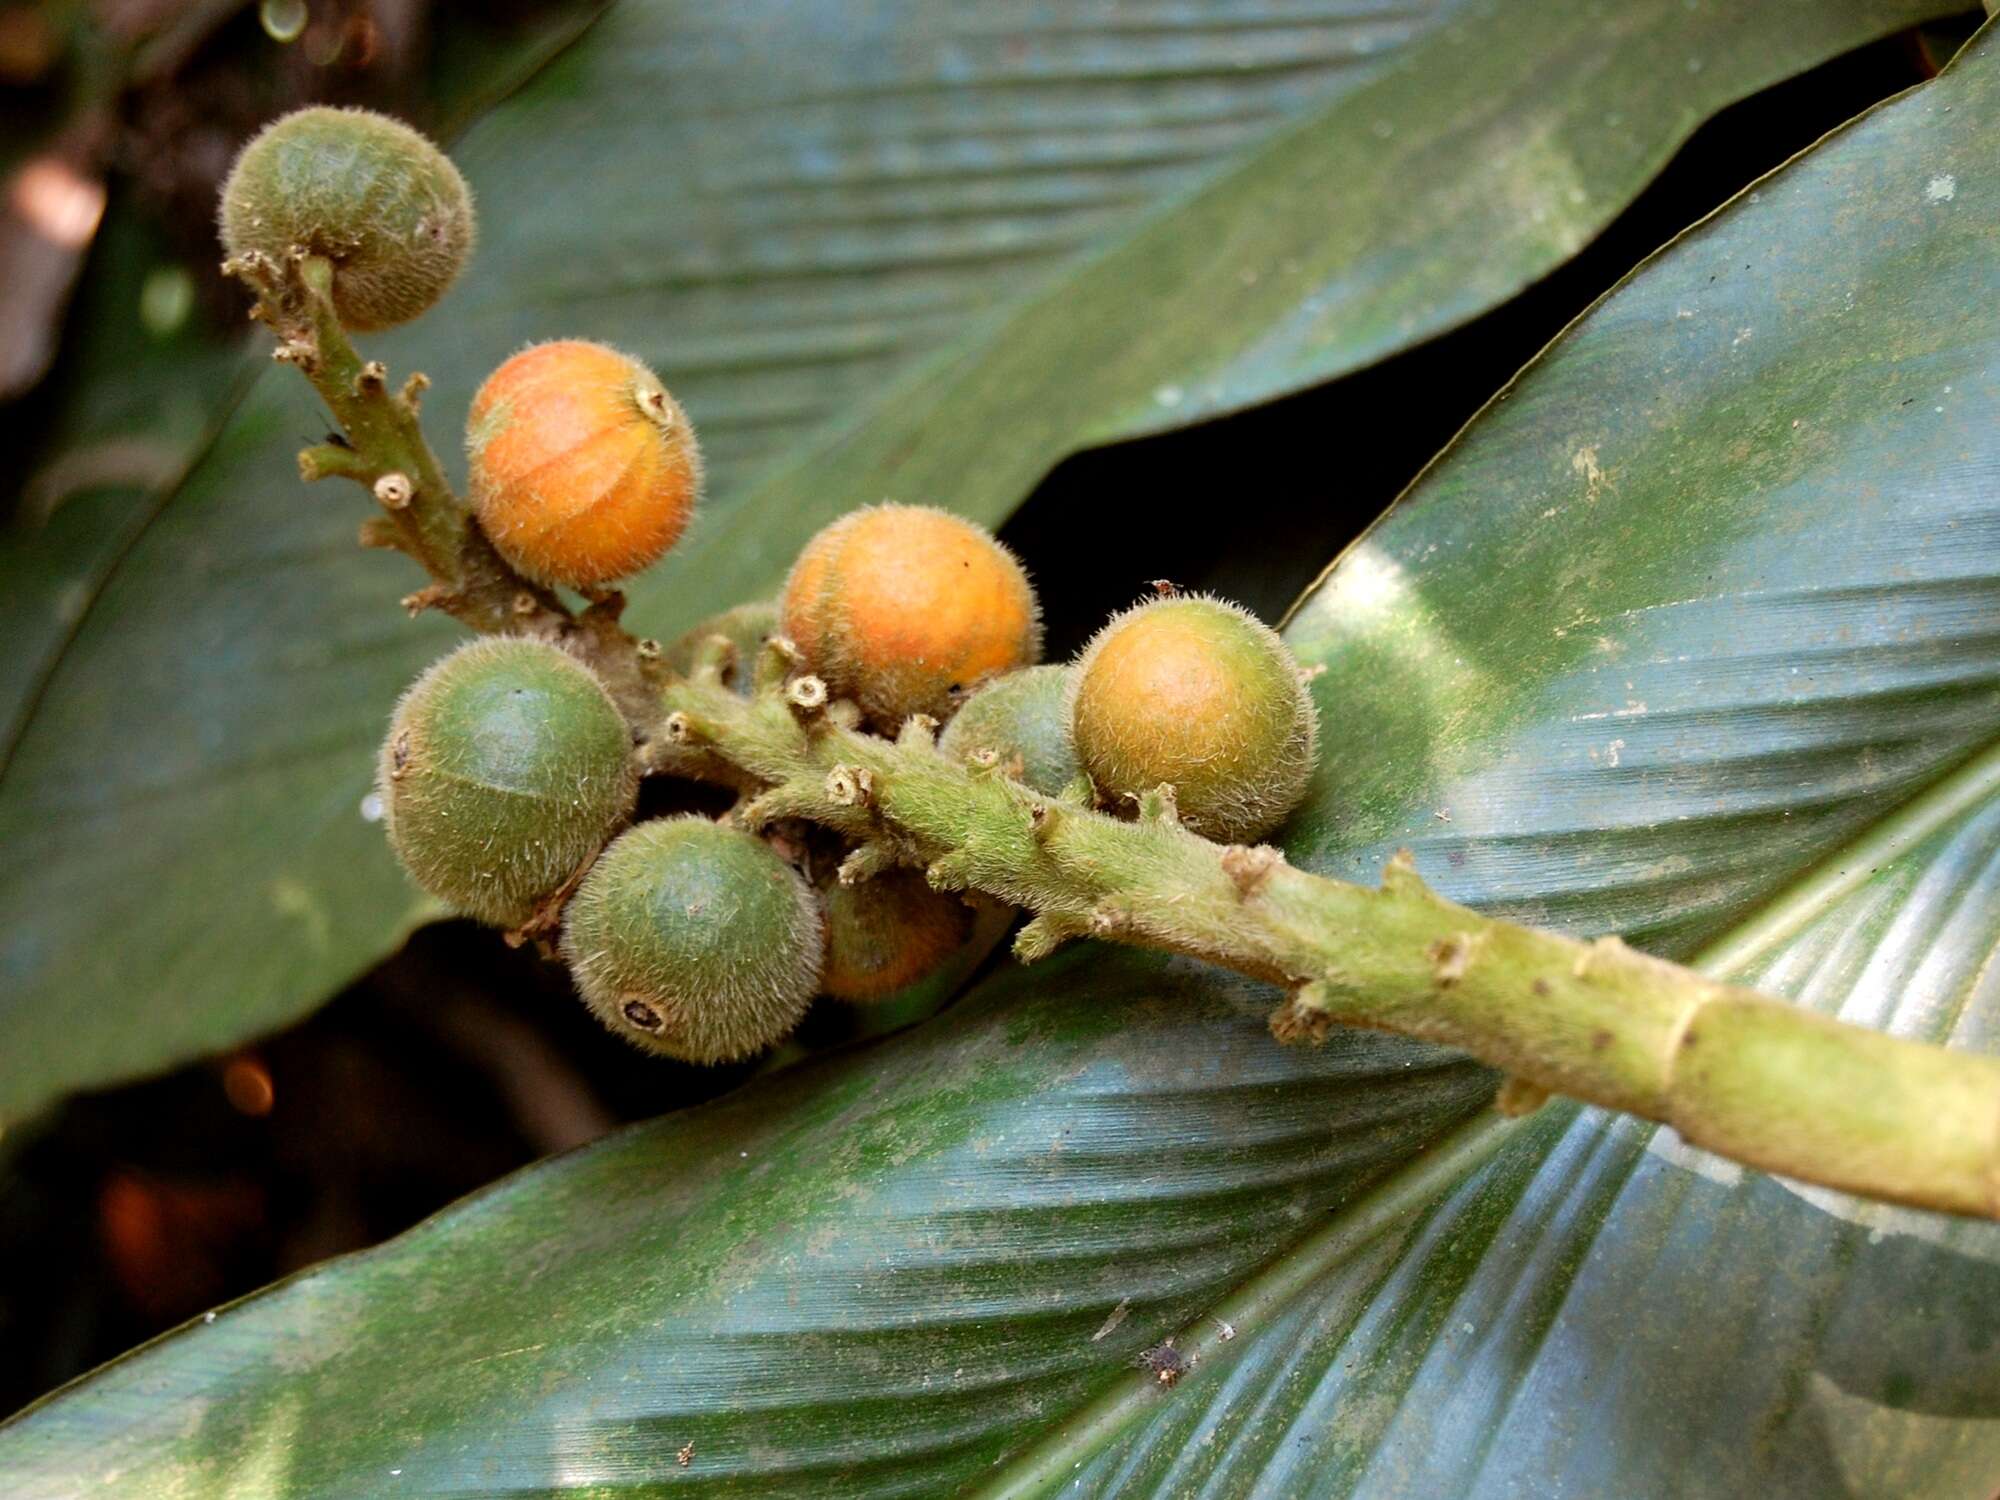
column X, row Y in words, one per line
column 1737, row 1072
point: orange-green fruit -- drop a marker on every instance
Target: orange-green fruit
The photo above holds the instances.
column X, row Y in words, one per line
column 906, row 610
column 1199, row 695
column 1023, row 718
column 885, row 934
column 584, row 470
column 365, row 191
column 506, row 766
column 695, row 940
column 747, row 627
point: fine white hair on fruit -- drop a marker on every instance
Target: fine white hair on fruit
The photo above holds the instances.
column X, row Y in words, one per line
column 1196, row 693
column 695, row 940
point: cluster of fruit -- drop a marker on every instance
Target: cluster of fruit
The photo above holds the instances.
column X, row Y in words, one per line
column 510, row 772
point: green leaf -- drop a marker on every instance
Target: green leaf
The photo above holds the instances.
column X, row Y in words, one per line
column 790, row 209
column 1566, row 1317
column 863, row 1278
column 1692, row 635
column 1486, row 154
column 883, row 1274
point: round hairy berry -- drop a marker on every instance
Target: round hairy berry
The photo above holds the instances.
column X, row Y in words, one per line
column 1023, row 718
column 906, row 610
column 746, row 627
column 695, row 940
column 365, row 191
column 1198, row 695
column 885, row 934
column 584, row 470
column 506, row 767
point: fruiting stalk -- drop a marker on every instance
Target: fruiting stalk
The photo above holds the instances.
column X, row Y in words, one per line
column 386, row 454
column 1749, row 1077
column 1744, row 1075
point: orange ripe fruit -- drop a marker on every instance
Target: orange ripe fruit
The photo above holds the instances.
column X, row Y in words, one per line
column 584, row 468
column 906, row 610
column 885, row 934
column 1196, row 694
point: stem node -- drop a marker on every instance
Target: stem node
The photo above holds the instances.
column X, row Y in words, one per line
column 377, row 532
column 950, row 872
column 919, row 731
column 1400, row 878
column 775, row 804
column 774, row 663
column 1249, row 866
column 1160, row 805
column 333, row 461
column 866, row 861
column 714, row 660
column 1042, row 935
column 1452, row 955
column 806, row 694
column 430, row 596
column 850, row 786
column 1303, row 1017
column 394, row 490
column 1043, row 819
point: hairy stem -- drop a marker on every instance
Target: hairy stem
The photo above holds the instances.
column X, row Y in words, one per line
column 1737, row 1072
column 382, row 448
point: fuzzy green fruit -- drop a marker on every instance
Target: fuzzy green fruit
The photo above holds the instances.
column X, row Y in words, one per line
column 695, row 940
column 365, row 191
column 1199, row 695
column 885, row 934
column 1023, row 718
column 506, row 767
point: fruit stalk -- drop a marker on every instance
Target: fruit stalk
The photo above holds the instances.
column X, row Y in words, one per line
column 383, row 449
column 1747, row 1076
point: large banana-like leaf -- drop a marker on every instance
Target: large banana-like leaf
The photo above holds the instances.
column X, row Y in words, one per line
column 924, row 1269
column 868, row 1278
column 790, row 207
column 1601, row 1310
